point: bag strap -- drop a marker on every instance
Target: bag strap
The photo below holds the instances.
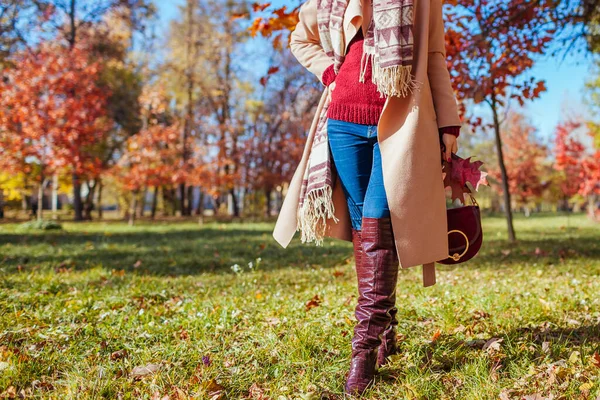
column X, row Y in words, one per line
column 428, row 274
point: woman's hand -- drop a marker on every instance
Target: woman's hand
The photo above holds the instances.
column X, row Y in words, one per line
column 450, row 145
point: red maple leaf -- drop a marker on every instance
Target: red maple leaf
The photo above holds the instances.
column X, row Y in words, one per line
column 461, row 171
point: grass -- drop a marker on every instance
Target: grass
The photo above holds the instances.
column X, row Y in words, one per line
column 82, row 309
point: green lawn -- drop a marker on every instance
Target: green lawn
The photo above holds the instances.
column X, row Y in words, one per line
column 83, row 309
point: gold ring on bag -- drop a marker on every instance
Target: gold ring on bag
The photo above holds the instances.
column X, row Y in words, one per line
column 457, row 256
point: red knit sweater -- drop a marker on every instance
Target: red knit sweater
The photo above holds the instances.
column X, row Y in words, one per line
column 354, row 101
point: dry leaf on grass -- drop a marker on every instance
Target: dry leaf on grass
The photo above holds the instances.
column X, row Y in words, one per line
column 314, row 302
column 145, row 370
column 493, row 344
column 119, row 354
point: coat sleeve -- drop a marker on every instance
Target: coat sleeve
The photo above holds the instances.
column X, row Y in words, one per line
column 444, row 101
column 305, row 43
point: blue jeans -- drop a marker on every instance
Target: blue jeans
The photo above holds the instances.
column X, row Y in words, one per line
column 357, row 159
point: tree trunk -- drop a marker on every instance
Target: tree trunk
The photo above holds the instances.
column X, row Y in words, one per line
column 54, row 196
column 234, row 203
column 40, row 200
column 507, row 202
column 89, row 201
column 182, row 198
column 268, row 192
column 200, row 208
column 154, row 202
column 77, row 204
column 1, row 203
column 100, row 187
column 174, row 200
column 24, row 202
column 190, row 200
column 143, row 202
column 133, row 208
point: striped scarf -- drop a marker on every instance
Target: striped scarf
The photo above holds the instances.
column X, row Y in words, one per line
column 388, row 45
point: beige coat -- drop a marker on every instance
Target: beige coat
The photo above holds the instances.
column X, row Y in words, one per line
column 407, row 134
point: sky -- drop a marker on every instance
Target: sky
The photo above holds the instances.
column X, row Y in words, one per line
column 565, row 81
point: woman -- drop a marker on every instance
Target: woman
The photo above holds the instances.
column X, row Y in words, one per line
column 387, row 107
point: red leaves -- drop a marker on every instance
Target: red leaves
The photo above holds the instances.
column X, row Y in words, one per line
column 52, row 111
column 491, row 44
column 461, row 171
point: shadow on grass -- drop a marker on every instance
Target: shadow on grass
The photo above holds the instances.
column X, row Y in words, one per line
column 171, row 253
column 213, row 249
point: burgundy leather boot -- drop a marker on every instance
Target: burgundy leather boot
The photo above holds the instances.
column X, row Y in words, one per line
column 377, row 274
column 389, row 344
column 357, row 245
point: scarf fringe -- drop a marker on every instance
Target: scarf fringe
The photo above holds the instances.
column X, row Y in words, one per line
column 364, row 63
column 312, row 216
column 395, row 81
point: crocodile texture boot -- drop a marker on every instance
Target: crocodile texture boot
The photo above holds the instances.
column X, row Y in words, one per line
column 377, row 274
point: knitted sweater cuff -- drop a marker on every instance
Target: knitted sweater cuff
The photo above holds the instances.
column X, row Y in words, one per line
column 452, row 130
column 328, row 76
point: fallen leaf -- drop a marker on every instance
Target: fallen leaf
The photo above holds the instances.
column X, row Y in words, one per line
column 117, row 355
column 492, row 344
column 596, row 359
column 214, row 390
column 436, row 335
column 314, row 302
column 142, row 371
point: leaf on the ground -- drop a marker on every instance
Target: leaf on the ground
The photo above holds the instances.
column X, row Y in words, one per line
column 145, row 370
column 9, row 393
column 178, row 394
column 436, row 335
column 314, row 302
column 546, row 347
column 337, row 274
column 348, row 300
column 42, row 385
column 492, row 344
column 137, row 264
column 117, row 355
column 273, row 321
column 596, row 359
column 574, row 357
column 184, row 335
column 477, row 314
column 537, row 396
column 255, row 392
column 214, row 390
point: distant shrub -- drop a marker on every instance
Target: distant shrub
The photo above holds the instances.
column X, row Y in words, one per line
column 43, row 225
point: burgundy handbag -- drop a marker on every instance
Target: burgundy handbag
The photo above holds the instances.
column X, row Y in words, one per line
column 465, row 235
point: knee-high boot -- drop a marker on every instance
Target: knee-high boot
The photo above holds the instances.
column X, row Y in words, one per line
column 388, row 345
column 377, row 274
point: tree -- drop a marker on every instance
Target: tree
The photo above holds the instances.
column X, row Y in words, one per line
column 279, row 120
column 208, row 38
column 149, row 161
column 489, row 46
column 524, row 160
column 568, row 152
column 51, row 112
